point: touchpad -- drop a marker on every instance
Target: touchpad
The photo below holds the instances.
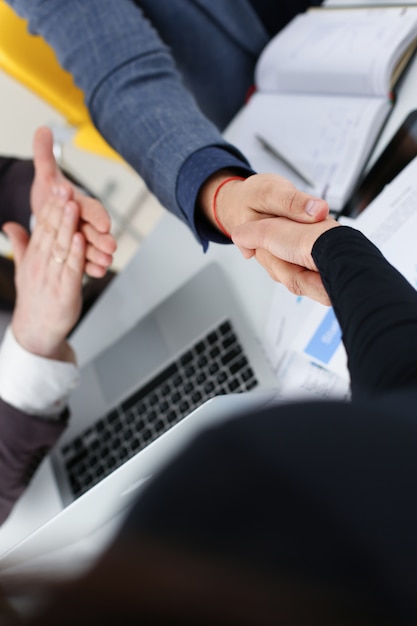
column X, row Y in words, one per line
column 131, row 359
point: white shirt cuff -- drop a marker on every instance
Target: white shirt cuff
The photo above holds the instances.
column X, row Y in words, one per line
column 32, row 383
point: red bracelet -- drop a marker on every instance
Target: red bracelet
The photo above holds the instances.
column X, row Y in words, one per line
column 218, row 222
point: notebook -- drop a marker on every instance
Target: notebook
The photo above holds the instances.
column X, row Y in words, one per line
column 324, row 91
column 193, row 360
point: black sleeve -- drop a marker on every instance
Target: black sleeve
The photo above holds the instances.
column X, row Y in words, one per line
column 16, row 176
column 24, row 441
column 376, row 308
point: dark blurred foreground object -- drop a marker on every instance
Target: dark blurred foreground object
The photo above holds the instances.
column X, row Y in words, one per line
column 299, row 515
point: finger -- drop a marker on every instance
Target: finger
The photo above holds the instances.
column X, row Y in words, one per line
column 52, row 236
column 298, row 280
column 57, row 196
column 66, row 230
column 282, row 237
column 47, row 227
column 97, row 257
column 74, row 267
column 300, row 206
column 19, row 240
column 246, row 252
column 271, row 194
column 95, row 271
column 93, row 213
column 266, row 234
column 43, row 156
column 47, row 173
column 104, row 242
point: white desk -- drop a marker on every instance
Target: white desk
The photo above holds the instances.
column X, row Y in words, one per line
column 167, row 258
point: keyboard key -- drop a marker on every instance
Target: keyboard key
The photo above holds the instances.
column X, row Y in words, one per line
column 196, row 397
column 238, row 365
column 186, row 358
column 229, row 341
column 232, row 354
column 221, row 377
column 247, row 374
column 190, row 371
column 212, row 337
column 225, row 328
column 184, row 406
column 171, row 417
column 200, row 347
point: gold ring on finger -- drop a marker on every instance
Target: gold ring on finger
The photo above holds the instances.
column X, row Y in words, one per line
column 59, row 259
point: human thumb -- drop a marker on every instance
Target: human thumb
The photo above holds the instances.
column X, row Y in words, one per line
column 43, row 154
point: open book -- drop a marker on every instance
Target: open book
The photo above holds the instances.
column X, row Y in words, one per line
column 323, row 92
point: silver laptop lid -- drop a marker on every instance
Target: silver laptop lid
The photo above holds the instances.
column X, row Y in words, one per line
column 194, row 345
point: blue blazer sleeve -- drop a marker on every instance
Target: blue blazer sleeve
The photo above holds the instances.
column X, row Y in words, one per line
column 133, row 64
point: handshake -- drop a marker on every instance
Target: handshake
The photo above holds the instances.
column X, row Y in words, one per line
column 269, row 219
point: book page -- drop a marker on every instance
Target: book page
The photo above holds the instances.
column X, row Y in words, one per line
column 335, row 51
column 327, row 138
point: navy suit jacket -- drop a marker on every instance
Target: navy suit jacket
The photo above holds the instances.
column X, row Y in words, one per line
column 160, row 78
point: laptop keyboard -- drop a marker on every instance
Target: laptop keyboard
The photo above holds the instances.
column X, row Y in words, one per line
column 213, row 366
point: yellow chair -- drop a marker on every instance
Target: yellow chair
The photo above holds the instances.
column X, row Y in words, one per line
column 31, row 61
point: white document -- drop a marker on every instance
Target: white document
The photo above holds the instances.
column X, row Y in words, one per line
column 301, row 378
column 292, row 321
column 390, row 222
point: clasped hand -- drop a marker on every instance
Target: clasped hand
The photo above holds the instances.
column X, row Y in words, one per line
column 283, row 247
column 94, row 219
column 49, row 268
column 71, row 236
column 270, row 219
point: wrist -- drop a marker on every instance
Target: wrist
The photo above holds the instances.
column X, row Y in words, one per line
column 214, row 200
column 46, row 348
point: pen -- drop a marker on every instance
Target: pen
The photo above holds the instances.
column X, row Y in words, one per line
column 272, row 150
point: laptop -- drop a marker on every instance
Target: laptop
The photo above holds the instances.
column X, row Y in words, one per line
column 191, row 361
